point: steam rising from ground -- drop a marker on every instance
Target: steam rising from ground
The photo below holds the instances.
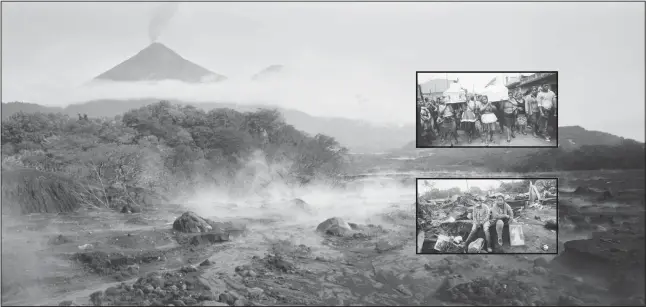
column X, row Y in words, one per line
column 260, row 192
column 160, row 19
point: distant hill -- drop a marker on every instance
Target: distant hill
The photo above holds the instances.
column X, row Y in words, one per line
column 578, row 149
column 570, row 138
column 158, row 62
column 269, row 73
column 573, row 137
column 357, row 135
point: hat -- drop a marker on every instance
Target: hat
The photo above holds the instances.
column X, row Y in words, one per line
column 481, row 198
column 499, row 195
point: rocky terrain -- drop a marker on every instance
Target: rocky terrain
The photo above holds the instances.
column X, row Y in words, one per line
column 296, row 252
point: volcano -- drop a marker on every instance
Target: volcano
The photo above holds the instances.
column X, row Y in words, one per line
column 158, row 62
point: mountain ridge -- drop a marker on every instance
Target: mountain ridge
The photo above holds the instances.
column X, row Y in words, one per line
column 361, row 136
column 157, row 62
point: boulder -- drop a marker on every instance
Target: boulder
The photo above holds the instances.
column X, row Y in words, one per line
column 130, row 209
column 189, row 222
column 301, row 205
column 334, row 226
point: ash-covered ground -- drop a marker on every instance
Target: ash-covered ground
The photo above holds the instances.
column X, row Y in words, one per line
column 272, row 253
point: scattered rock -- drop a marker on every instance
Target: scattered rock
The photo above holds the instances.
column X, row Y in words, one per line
column 213, row 303
column 60, row 239
column 227, row 298
column 209, row 238
column 404, row 290
column 189, row 269
column 255, row 292
column 335, row 225
column 336, row 231
column 190, row 222
column 353, row 226
column 112, row 291
column 384, row 246
column 96, row 298
column 301, row 205
column 130, row 209
column 567, row 300
column 540, row 270
column 206, row 262
column 541, row 262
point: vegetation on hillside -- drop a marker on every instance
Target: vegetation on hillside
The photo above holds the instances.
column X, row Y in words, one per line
column 167, row 148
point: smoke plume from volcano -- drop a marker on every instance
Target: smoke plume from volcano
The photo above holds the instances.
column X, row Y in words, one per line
column 160, row 19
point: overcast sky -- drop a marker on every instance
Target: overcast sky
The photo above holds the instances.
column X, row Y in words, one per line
column 354, row 60
column 470, row 81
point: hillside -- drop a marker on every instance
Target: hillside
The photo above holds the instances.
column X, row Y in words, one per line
column 158, row 62
column 570, row 138
column 584, row 149
column 356, row 135
column 270, row 72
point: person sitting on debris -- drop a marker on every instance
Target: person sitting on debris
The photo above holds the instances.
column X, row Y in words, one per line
column 501, row 215
column 480, row 217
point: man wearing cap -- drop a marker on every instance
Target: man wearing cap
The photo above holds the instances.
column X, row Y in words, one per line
column 501, row 215
column 480, row 217
column 545, row 102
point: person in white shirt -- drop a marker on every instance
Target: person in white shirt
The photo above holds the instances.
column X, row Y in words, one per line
column 545, row 100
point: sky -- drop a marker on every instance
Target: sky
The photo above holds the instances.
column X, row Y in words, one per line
column 354, row 60
column 470, row 81
column 445, row 184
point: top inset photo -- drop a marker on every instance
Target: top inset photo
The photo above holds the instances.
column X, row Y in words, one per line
column 487, row 109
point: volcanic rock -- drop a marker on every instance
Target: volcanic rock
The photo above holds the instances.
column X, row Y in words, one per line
column 334, row 226
column 301, row 205
column 130, row 209
column 190, row 222
column 209, row 237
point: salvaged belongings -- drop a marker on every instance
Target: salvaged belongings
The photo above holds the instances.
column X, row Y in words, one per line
column 516, row 235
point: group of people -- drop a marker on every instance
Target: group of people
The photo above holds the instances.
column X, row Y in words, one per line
column 487, row 212
column 480, row 117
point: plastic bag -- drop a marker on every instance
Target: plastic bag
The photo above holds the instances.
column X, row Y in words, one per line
column 476, row 246
column 516, row 235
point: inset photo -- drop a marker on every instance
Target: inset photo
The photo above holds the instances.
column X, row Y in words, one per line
column 487, row 216
column 487, row 109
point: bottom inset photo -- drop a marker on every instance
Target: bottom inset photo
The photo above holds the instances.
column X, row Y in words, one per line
column 487, row 215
